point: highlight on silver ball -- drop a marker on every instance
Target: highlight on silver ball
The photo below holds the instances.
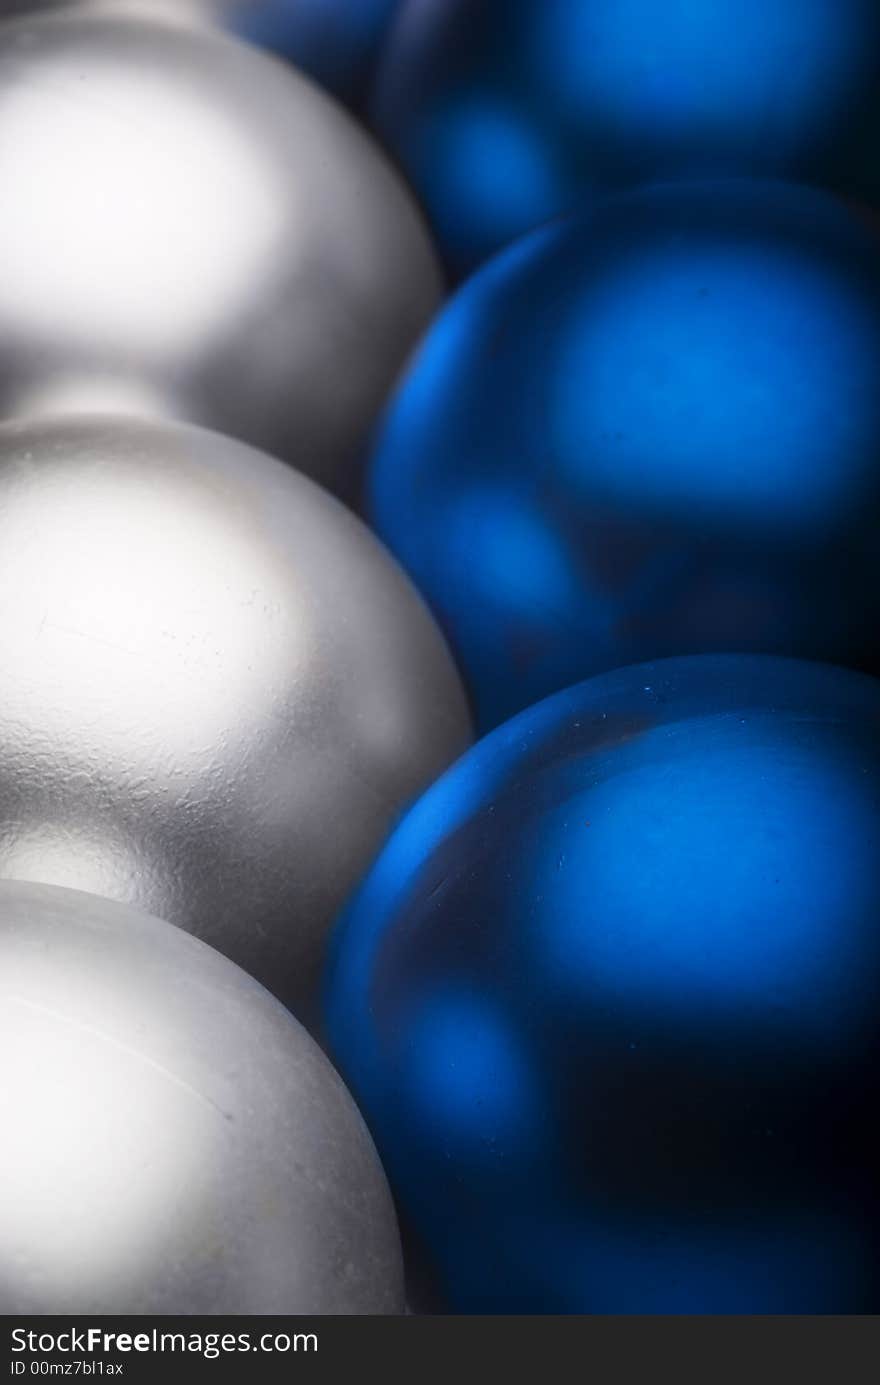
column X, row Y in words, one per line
column 192, row 229
column 217, row 690
column 173, row 1141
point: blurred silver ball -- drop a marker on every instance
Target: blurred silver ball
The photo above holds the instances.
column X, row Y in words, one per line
column 173, row 1142
column 336, row 41
column 193, row 230
column 217, row 690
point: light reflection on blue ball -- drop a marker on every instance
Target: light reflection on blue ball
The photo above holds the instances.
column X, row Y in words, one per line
column 610, row 998
column 646, row 431
column 630, row 863
column 465, row 1075
column 508, row 112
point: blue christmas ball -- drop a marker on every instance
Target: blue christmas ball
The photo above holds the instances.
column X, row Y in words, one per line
column 650, row 430
column 335, row 41
column 508, row 112
column 610, row 998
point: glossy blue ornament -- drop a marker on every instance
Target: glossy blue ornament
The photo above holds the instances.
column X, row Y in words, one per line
column 610, row 998
column 508, row 112
column 650, row 430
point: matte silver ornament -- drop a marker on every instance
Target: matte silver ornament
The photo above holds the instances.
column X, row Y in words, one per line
column 193, row 230
column 173, row 1141
column 217, row 690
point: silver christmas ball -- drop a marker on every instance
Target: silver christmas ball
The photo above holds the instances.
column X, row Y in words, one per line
column 336, row 41
column 217, row 690
column 173, row 1141
column 193, row 230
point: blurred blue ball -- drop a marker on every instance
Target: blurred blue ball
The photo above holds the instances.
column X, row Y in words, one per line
column 508, row 112
column 650, row 430
column 335, row 41
column 610, row 998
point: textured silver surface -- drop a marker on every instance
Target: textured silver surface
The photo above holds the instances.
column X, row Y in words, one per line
column 217, row 690
column 173, row 1142
column 192, row 230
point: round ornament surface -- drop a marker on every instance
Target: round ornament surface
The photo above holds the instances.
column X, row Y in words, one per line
column 647, row 431
column 506, row 113
column 217, row 691
column 174, row 1142
column 609, row 998
column 193, row 230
